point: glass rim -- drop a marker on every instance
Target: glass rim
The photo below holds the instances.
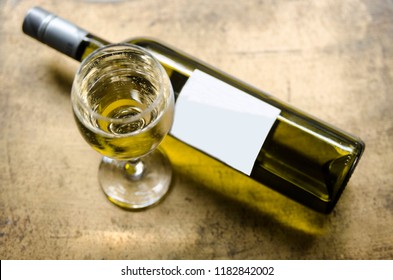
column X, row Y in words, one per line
column 133, row 118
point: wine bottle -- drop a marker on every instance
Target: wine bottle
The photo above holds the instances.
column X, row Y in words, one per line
column 275, row 144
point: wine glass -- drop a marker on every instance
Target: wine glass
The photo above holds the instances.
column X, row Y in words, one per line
column 123, row 104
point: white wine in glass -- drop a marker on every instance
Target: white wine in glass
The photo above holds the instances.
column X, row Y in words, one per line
column 123, row 104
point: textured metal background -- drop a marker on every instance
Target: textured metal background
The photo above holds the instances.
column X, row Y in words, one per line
column 333, row 59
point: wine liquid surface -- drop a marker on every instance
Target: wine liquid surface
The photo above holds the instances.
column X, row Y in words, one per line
column 131, row 126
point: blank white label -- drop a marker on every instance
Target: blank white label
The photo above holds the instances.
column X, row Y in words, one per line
column 222, row 121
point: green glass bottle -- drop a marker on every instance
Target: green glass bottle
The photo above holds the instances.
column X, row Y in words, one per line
column 249, row 130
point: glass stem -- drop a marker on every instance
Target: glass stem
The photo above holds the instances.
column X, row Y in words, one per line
column 134, row 169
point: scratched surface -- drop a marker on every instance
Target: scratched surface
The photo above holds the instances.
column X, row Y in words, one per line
column 333, row 59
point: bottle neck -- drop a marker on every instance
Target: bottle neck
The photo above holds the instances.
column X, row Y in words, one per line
column 89, row 44
column 60, row 34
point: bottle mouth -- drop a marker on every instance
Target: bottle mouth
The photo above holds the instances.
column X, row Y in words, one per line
column 35, row 21
column 108, row 61
column 53, row 31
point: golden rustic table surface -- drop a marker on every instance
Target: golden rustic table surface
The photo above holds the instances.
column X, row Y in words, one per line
column 333, row 59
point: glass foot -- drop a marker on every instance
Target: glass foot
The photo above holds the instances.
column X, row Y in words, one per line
column 136, row 184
